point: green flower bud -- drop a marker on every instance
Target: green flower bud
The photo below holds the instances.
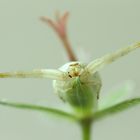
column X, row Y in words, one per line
column 81, row 89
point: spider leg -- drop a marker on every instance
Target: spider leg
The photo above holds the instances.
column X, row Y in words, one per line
column 99, row 63
column 41, row 73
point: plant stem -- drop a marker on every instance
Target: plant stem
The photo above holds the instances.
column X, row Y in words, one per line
column 86, row 129
column 68, row 48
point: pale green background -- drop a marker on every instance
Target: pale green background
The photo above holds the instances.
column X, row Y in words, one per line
column 98, row 26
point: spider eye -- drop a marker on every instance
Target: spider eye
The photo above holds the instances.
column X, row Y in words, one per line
column 69, row 74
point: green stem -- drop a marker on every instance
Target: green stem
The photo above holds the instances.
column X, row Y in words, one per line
column 86, row 129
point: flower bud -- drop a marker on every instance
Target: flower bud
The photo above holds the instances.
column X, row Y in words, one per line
column 81, row 89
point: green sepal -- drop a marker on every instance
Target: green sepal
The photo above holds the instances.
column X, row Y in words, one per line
column 39, row 108
column 116, row 108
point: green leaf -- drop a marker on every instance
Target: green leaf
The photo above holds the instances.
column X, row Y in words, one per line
column 116, row 108
column 117, row 95
column 38, row 108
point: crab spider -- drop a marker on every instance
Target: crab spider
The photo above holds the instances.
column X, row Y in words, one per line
column 75, row 68
column 76, row 83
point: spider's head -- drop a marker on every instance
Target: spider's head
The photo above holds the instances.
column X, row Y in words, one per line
column 73, row 69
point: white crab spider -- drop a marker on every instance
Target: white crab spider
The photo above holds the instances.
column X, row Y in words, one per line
column 76, row 83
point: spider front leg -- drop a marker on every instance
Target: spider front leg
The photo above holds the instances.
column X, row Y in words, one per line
column 42, row 73
column 99, row 63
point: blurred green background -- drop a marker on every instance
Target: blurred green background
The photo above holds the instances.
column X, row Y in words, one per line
column 98, row 27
